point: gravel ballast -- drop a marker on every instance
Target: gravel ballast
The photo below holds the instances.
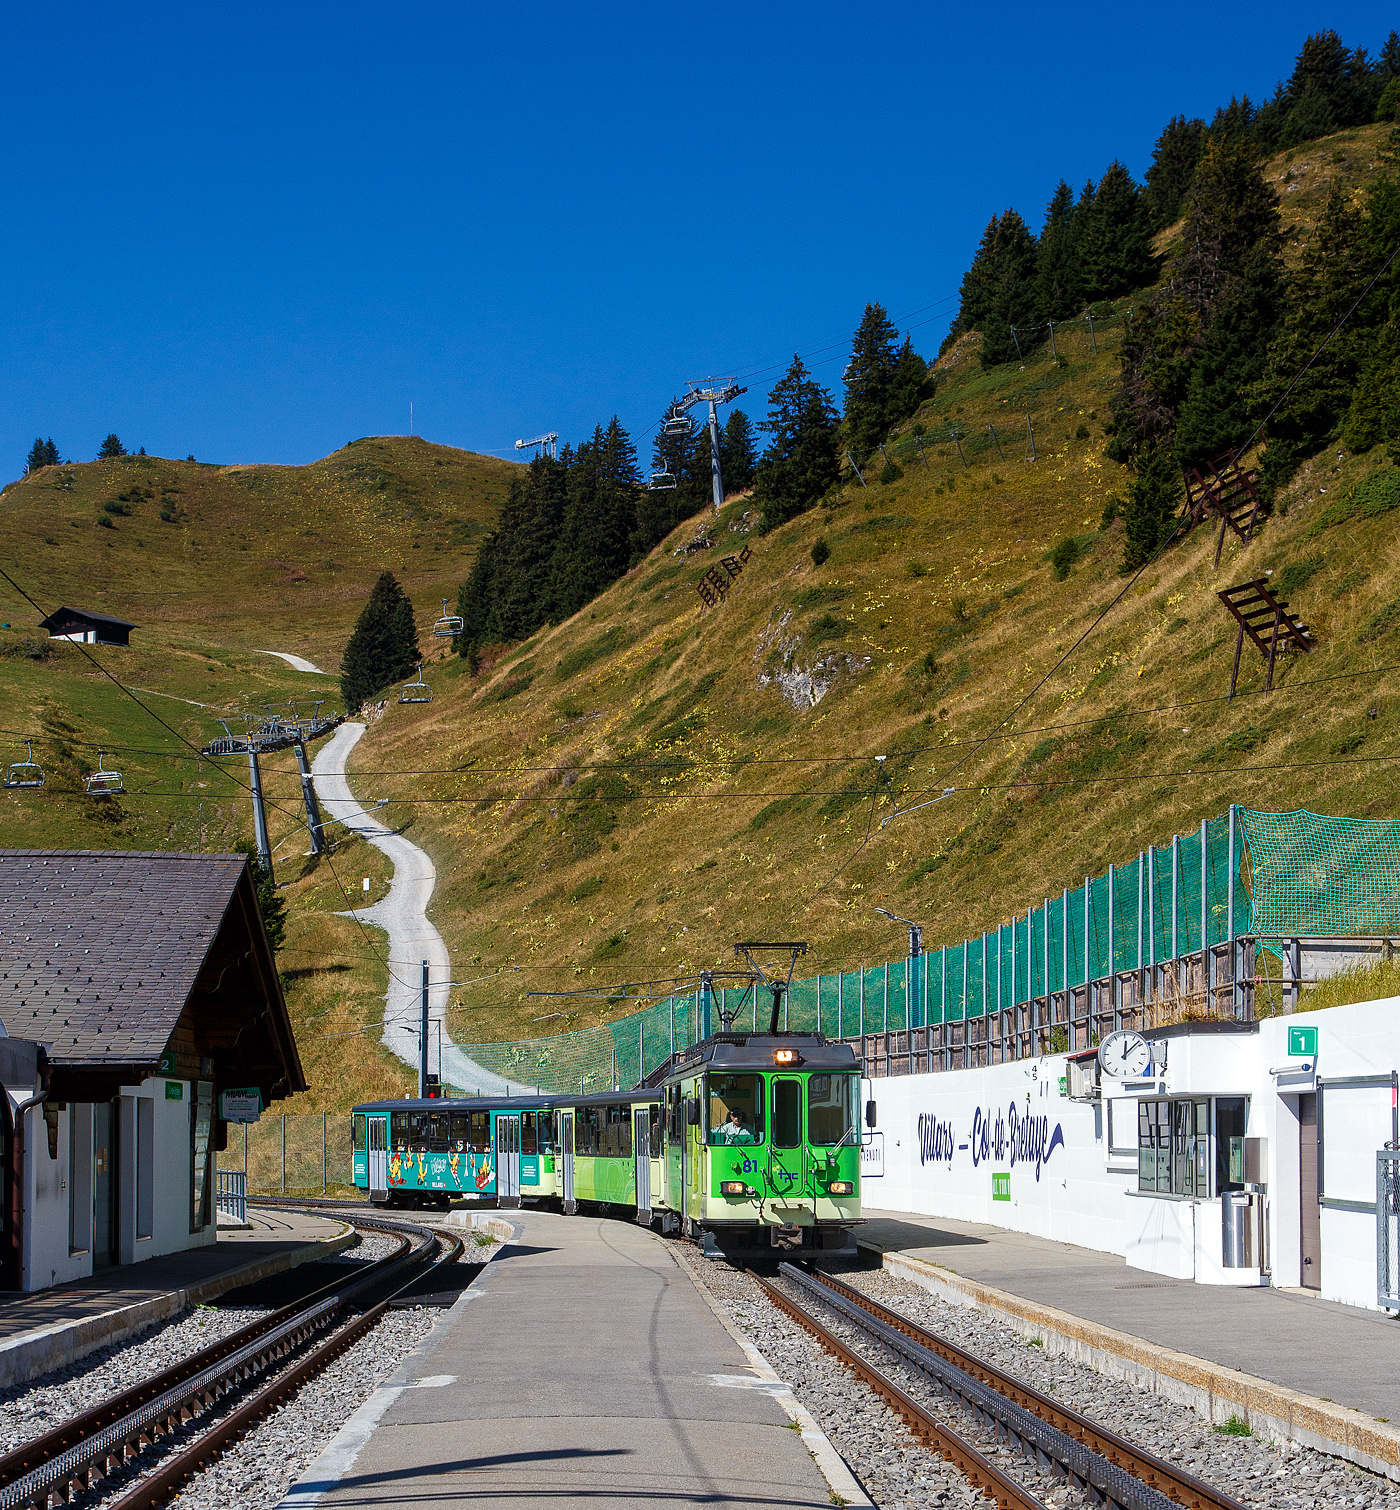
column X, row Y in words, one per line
column 896, row 1471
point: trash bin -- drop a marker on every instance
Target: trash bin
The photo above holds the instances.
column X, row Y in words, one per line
column 1235, row 1210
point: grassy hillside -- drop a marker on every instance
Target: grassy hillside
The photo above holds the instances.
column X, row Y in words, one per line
column 625, row 794
column 214, row 564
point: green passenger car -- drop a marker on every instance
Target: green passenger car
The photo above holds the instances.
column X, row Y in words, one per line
column 609, row 1151
column 761, row 1144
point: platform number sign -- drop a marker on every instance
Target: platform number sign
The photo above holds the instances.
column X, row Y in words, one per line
column 1302, row 1043
column 1001, row 1186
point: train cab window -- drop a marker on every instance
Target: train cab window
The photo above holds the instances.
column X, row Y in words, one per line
column 359, row 1132
column 830, row 1109
column 736, row 1109
column 787, row 1113
column 673, row 1113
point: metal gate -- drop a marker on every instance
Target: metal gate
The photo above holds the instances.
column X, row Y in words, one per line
column 641, row 1149
column 508, row 1160
column 378, row 1159
column 1388, row 1229
column 566, row 1159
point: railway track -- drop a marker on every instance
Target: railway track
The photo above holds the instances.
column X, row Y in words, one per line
column 265, row 1363
column 1110, row 1470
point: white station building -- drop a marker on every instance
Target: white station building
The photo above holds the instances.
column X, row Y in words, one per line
column 1231, row 1153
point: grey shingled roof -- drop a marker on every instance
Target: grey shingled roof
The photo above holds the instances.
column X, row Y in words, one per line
column 99, row 949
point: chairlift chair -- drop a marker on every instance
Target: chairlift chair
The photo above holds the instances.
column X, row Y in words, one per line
column 661, row 482
column 27, row 772
column 677, row 424
column 102, row 782
column 416, row 691
column 449, row 625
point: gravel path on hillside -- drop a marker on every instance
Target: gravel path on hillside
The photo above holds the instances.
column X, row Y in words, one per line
column 897, row 1472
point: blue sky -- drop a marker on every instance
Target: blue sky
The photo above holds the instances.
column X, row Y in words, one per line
column 253, row 233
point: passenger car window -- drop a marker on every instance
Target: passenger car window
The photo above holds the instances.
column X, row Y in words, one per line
column 736, row 1110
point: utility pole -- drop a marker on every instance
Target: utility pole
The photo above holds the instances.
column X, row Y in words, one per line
column 259, row 811
column 423, row 1038
column 308, row 794
column 714, row 392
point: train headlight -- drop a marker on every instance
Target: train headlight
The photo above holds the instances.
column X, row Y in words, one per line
column 787, row 1056
column 733, row 1187
column 842, row 1187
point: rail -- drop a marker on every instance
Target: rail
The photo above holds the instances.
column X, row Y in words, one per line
column 78, row 1453
column 1111, row 1470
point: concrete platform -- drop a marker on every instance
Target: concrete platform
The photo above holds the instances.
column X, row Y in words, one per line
column 583, row 1365
column 52, row 1327
column 1303, row 1368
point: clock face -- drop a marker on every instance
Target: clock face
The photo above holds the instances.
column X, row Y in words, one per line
column 1124, row 1055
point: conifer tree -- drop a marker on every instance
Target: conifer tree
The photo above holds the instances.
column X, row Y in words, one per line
column 913, row 384
column 1174, row 160
column 975, row 303
column 1059, row 282
column 383, row 646
column 271, row 903
column 599, row 518
column 528, row 533
column 37, row 456
column 737, row 452
column 1011, row 295
column 870, row 376
column 111, row 449
column 1154, row 498
column 51, row 457
column 1330, row 88
column 801, row 461
column 1114, row 245
column 1335, row 267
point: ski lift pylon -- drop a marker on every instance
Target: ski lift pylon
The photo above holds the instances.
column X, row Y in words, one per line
column 416, row 691
column 27, row 772
column 102, row 782
column 449, row 625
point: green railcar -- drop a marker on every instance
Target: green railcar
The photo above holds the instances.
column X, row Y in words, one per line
column 609, row 1151
column 761, row 1144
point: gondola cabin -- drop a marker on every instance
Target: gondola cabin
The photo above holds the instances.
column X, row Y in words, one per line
column 761, row 1143
column 426, row 1152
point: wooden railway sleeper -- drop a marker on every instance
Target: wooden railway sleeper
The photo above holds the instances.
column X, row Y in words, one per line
column 1180, row 1486
column 1121, row 1489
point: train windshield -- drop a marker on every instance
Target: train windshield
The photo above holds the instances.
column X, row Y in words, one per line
column 830, row 1109
column 736, row 1109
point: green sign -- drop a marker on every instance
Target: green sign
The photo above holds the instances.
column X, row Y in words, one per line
column 1001, row 1187
column 174, row 1090
column 166, row 1065
column 1302, row 1042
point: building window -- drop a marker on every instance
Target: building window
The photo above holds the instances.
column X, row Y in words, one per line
column 1174, row 1148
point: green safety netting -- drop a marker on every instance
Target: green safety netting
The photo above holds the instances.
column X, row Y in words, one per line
column 1314, row 876
column 1295, row 874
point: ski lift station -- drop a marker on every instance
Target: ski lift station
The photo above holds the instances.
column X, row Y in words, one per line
column 140, row 1011
column 82, row 627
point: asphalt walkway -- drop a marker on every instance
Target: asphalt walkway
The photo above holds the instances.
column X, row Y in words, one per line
column 583, row 1366
column 1335, row 1352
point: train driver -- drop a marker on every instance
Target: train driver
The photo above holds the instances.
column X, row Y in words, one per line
column 734, row 1130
